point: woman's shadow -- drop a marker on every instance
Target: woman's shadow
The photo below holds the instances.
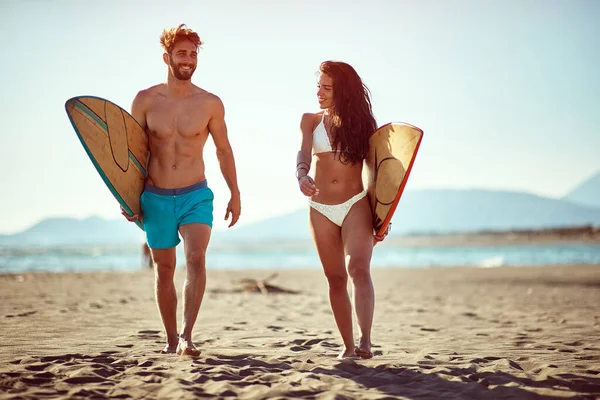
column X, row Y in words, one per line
column 394, row 380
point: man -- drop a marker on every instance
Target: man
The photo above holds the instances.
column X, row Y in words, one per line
column 178, row 117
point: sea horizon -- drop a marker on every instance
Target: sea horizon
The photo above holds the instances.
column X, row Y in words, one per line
column 298, row 255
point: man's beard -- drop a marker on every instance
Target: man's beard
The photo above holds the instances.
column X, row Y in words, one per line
column 179, row 74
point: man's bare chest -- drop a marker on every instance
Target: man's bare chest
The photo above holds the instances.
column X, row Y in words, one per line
column 180, row 119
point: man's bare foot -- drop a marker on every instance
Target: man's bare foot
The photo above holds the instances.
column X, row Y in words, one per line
column 168, row 349
column 187, row 348
column 364, row 349
column 347, row 353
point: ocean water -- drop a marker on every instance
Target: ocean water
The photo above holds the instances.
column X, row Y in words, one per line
column 129, row 258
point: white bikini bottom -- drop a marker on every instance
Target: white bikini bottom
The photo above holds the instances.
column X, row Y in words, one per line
column 336, row 213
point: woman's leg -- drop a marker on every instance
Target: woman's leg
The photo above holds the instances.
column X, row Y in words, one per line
column 357, row 238
column 327, row 238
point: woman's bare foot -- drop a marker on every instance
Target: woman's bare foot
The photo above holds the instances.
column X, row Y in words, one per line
column 187, row 348
column 168, row 349
column 364, row 349
column 347, row 353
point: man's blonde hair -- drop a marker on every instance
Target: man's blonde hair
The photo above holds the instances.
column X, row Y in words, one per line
column 171, row 36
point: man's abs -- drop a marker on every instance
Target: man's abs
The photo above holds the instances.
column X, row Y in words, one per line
column 176, row 162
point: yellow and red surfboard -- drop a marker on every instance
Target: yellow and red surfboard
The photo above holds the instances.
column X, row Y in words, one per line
column 392, row 151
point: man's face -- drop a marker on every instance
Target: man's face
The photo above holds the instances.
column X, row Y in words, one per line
column 325, row 91
column 183, row 60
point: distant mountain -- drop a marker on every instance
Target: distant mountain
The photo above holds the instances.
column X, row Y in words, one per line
column 586, row 193
column 445, row 211
column 419, row 212
column 60, row 231
column 474, row 210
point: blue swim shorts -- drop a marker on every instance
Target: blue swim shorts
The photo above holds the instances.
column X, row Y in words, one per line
column 165, row 210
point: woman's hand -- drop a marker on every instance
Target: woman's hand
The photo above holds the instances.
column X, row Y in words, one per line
column 307, row 185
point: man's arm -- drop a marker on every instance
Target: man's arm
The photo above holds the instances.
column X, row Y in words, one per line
column 139, row 114
column 218, row 130
column 137, row 109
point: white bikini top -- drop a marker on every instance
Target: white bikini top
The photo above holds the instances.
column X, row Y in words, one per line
column 321, row 142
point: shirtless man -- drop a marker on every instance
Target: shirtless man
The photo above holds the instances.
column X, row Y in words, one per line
column 178, row 117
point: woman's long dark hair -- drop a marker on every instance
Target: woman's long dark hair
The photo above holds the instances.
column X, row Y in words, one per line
column 352, row 115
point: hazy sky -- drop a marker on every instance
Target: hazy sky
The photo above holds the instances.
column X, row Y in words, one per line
column 508, row 93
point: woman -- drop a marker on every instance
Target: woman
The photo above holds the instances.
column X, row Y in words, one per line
column 340, row 216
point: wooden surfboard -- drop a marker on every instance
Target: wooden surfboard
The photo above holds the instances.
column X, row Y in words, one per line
column 117, row 146
column 392, row 151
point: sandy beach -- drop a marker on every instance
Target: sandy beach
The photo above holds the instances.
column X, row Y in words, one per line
column 439, row 333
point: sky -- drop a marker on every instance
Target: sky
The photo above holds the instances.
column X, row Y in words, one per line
column 507, row 93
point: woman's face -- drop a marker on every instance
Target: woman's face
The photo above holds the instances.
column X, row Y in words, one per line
column 325, row 91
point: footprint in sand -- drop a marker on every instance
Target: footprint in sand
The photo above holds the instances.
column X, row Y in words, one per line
column 148, row 335
column 533, row 329
column 10, row 374
column 83, row 380
column 274, row 328
column 64, row 359
column 298, row 345
column 575, row 343
column 593, row 372
column 523, row 343
column 483, row 360
column 104, row 359
column 299, row 348
column 124, row 363
column 25, row 314
column 277, row 344
column 146, row 364
column 312, row 342
column 491, row 358
column 148, row 332
column 567, row 351
column 522, row 339
column 104, row 371
column 39, row 378
column 307, row 344
column 330, row 345
column 37, row 367
column 232, row 328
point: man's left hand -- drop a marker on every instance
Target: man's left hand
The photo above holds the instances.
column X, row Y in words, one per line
column 234, row 208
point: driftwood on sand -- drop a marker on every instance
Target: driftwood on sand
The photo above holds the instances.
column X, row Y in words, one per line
column 250, row 285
